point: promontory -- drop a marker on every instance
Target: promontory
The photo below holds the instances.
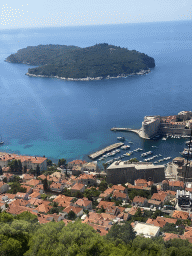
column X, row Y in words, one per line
column 75, row 63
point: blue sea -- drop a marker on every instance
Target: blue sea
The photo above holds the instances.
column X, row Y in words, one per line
column 68, row 119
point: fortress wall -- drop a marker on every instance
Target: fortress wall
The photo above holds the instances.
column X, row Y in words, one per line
column 177, row 131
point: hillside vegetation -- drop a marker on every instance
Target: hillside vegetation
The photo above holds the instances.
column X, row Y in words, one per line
column 100, row 60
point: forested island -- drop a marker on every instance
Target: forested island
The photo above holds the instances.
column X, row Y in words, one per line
column 75, row 63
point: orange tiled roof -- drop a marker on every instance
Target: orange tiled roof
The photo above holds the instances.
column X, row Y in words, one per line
column 168, row 236
column 105, row 204
column 75, row 209
column 134, row 209
column 139, row 199
column 43, row 208
column 33, row 182
column 77, row 162
column 77, row 186
column 180, row 215
column 118, row 194
column 32, row 159
column 118, row 187
column 160, row 196
column 176, row 183
column 83, row 202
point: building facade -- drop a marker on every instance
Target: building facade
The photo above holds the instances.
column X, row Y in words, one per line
column 121, row 172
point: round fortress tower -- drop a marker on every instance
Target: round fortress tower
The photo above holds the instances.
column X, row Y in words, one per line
column 150, row 126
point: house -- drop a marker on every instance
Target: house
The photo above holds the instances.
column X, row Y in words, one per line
column 56, row 187
column 120, row 188
column 105, row 204
column 120, row 196
column 43, row 208
column 172, row 185
column 90, row 167
column 146, row 230
column 141, row 182
column 139, row 201
column 30, row 162
column 154, row 203
column 134, row 209
column 4, row 187
column 107, row 193
column 160, row 196
column 33, row 182
column 77, row 210
column 76, row 163
column 180, row 215
column 35, row 195
column 161, row 221
column 78, row 187
column 63, row 200
column 84, row 203
column 20, row 195
column 87, row 179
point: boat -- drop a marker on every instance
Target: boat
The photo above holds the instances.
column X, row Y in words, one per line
column 163, row 138
column 121, row 138
column 1, row 142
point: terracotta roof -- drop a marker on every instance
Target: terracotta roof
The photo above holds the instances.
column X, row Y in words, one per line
column 160, row 196
column 168, row 236
column 155, row 202
column 2, row 183
column 56, row 185
column 105, row 204
column 10, row 196
column 77, row 162
column 43, row 208
column 141, row 182
column 100, row 229
column 118, row 187
column 176, row 183
column 33, row 182
column 35, row 195
column 77, row 186
column 42, row 177
column 20, row 194
column 106, row 193
column 118, row 194
column 180, row 215
column 75, row 209
column 32, row 159
column 167, row 220
column 134, row 209
column 63, row 200
column 86, row 177
column 28, row 176
column 83, row 202
column 139, row 199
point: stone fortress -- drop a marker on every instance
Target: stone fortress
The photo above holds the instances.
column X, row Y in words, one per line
column 180, row 124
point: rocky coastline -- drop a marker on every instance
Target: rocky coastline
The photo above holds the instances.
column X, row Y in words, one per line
column 141, row 72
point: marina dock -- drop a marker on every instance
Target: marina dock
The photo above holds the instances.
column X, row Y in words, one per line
column 105, row 150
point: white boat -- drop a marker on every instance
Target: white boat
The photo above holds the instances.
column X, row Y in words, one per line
column 164, row 138
column 1, row 142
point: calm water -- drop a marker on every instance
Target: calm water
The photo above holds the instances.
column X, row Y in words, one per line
column 56, row 118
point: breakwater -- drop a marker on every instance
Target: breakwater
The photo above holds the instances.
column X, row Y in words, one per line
column 105, row 150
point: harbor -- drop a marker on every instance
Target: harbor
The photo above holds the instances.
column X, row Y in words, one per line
column 105, row 150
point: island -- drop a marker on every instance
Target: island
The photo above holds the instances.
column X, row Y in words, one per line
column 74, row 63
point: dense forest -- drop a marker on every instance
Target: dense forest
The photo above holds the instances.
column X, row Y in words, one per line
column 23, row 235
column 100, row 60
